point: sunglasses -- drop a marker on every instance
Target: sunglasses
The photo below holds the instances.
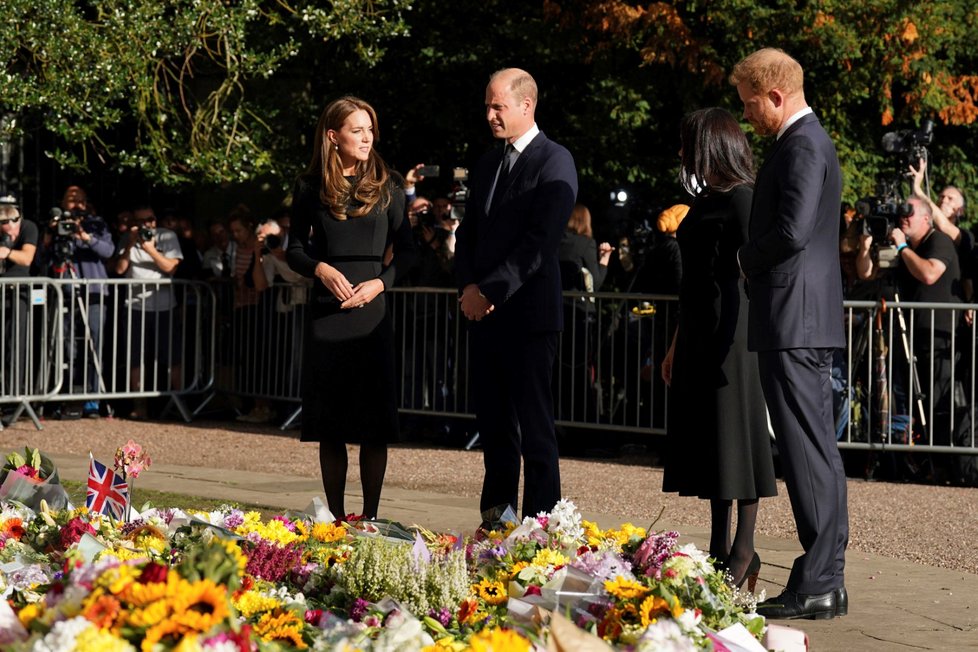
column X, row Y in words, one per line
column 8, row 221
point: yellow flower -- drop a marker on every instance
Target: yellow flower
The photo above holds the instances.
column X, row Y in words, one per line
column 201, row 606
column 151, row 614
column 549, row 557
column 592, row 533
column 498, row 640
column 250, row 602
column 515, row 569
column 139, row 595
column 625, row 589
column 328, row 532
column 189, row 643
column 234, row 551
column 167, row 632
column 93, row 640
column 652, row 607
column 491, row 592
column 281, row 626
column 118, row 578
column 274, row 531
column 28, row 614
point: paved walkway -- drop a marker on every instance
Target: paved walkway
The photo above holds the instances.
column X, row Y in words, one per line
column 894, row 605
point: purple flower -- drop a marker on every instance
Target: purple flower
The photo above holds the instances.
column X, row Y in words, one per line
column 443, row 615
column 271, row 562
column 358, row 610
column 234, row 519
column 654, row 551
column 494, row 553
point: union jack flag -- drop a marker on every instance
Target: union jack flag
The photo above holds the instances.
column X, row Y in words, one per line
column 107, row 492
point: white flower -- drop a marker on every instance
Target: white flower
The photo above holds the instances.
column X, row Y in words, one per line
column 665, row 635
column 62, row 636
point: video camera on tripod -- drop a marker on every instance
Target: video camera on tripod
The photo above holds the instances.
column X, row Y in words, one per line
column 880, row 213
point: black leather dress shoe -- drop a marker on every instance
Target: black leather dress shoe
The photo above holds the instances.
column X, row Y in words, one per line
column 789, row 605
column 841, row 601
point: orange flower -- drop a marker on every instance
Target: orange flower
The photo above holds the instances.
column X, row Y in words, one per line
column 104, row 612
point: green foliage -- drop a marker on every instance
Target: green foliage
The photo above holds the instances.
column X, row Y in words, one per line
column 207, row 91
column 183, row 90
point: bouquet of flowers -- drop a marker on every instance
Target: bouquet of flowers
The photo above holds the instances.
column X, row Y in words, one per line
column 31, row 478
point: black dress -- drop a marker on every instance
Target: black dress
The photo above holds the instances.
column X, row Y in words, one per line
column 717, row 435
column 349, row 381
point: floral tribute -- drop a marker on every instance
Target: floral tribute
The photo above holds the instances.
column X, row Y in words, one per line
column 231, row 581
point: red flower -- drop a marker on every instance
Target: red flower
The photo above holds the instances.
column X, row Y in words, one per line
column 153, row 573
column 72, row 532
column 28, row 471
column 313, row 616
column 533, row 589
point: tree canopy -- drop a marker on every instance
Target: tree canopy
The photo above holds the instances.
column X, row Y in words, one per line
column 205, row 92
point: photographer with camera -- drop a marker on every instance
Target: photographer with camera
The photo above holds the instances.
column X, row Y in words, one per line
column 927, row 271
column 149, row 255
column 18, row 243
column 76, row 244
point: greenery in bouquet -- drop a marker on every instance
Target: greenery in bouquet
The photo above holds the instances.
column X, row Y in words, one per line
column 28, row 465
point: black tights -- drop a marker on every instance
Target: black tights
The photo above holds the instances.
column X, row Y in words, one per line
column 738, row 554
column 333, row 464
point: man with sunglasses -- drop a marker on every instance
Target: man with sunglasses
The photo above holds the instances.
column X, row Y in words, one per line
column 18, row 243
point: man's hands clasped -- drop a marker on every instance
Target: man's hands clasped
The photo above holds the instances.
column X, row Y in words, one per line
column 475, row 305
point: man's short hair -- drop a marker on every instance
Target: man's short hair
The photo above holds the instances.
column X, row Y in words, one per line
column 767, row 69
column 522, row 84
column 924, row 206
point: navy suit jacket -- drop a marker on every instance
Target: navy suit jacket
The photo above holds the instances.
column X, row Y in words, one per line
column 791, row 259
column 511, row 251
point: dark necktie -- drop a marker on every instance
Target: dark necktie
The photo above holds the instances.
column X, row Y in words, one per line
column 225, row 265
column 507, row 162
column 504, row 165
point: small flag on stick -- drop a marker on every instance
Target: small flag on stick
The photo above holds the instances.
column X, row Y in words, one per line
column 107, row 492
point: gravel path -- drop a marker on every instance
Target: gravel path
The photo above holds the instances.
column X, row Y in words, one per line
column 923, row 524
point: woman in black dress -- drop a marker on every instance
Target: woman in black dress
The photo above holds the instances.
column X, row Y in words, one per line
column 347, row 213
column 718, row 444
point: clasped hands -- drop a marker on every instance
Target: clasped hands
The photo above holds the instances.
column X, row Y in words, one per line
column 351, row 296
column 475, row 305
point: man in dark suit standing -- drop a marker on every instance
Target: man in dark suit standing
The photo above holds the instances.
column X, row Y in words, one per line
column 521, row 197
column 791, row 262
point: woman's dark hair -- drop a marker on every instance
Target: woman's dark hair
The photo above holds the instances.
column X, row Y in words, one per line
column 715, row 150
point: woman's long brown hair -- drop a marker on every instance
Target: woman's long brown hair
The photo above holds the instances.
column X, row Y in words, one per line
column 371, row 183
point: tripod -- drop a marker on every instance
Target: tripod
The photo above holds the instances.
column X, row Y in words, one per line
column 63, row 268
column 881, row 371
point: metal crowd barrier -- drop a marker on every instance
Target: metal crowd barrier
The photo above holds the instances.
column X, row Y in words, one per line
column 904, row 382
column 77, row 340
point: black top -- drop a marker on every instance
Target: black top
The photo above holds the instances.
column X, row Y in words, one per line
column 936, row 246
column 579, row 252
column 27, row 236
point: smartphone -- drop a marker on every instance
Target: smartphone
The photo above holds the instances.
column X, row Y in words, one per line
column 429, row 170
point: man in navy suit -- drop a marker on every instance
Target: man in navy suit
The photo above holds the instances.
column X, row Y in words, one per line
column 521, row 197
column 791, row 262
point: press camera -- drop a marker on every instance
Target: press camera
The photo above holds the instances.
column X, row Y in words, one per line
column 880, row 213
column 459, row 193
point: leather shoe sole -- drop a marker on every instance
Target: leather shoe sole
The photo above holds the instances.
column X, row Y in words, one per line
column 790, row 605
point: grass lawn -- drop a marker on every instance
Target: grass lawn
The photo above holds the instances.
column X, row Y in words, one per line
column 76, row 492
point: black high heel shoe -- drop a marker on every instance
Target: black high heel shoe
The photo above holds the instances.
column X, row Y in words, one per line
column 750, row 574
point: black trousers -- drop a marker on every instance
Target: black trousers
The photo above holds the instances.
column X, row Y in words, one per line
column 798, row 391
column 511, row 383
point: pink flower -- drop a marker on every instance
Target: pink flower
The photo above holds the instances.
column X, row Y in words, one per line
column 131, row 460
column 28, row 471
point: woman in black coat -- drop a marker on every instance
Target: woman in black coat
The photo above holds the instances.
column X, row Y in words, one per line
column 718, row 443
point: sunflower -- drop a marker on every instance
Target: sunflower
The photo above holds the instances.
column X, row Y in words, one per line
column 625, row 589
column 167, row 633
column 140, row 595
column 150, row 614
column 652, row 607
column 491, row 592
column 281, row 626
column 201, row 606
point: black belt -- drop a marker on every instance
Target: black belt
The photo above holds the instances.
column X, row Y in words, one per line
column 355, row 259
